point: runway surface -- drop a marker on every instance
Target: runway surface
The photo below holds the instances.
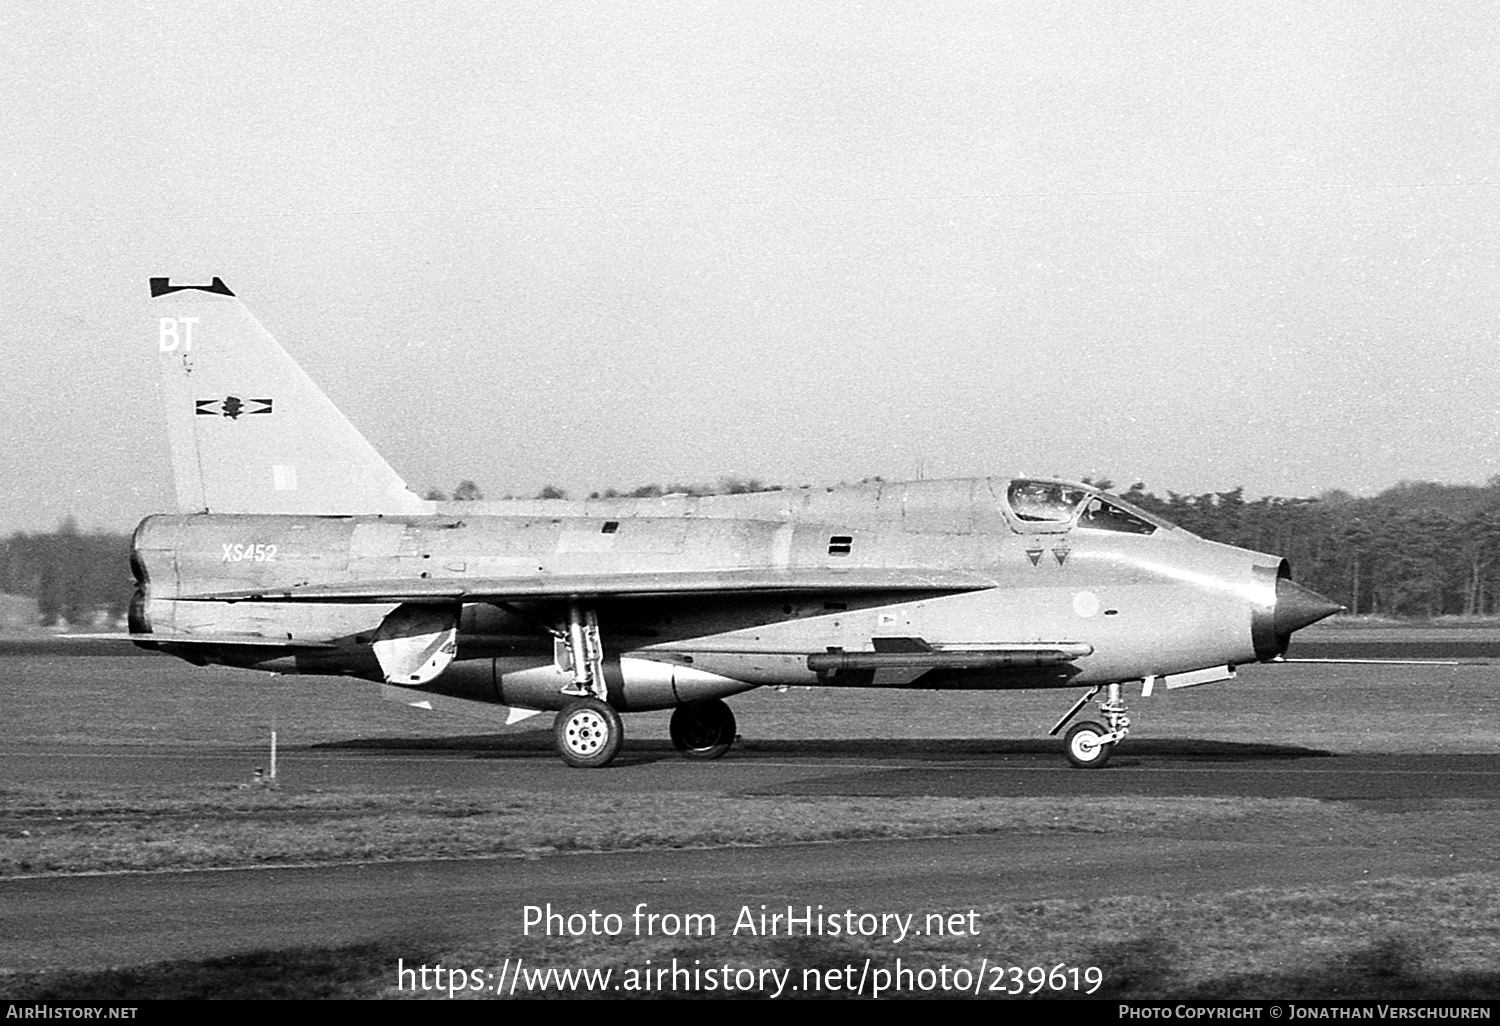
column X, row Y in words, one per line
column 1020, row 768
column 1394, row 740
column 128, row 919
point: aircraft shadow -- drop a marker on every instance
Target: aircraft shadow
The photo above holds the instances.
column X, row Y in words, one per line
column 530, row 745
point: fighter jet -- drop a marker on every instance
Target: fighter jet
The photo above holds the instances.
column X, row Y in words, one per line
column 297, row 549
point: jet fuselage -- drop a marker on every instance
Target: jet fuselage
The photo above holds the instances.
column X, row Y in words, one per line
column 1125, row 596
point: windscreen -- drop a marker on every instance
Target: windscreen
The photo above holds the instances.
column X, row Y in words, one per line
column 1102, row 514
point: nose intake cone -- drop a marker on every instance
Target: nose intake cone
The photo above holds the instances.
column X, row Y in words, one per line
column 1296, row 606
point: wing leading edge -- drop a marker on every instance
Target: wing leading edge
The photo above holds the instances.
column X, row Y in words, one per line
column 577, row 586
column 215, row 640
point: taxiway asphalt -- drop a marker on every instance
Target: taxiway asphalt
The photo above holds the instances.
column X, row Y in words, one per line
column 884, row 767
column 125, row 919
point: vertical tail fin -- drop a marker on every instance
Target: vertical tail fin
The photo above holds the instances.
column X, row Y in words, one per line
column 250, row 432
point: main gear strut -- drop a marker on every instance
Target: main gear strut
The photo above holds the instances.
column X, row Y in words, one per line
column 585, row 653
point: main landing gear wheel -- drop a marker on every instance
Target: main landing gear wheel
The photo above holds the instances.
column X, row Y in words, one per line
column 588, row 733
column 703, row 730
column 1084, row 749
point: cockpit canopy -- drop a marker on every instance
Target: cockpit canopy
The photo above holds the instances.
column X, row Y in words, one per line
column 1059, row 505
column 1049, row 502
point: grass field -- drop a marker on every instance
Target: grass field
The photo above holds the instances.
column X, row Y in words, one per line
column 47, row 831
column 146, row 700
column 59, row 704
column 1391, row 938
column 1377, row 940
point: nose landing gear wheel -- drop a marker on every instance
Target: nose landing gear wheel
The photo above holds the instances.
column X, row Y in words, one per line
column 588, row 733
column 703, row 730
column 1084, row 748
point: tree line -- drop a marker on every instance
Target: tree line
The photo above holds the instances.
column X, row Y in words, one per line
column 77, row 578
column 1416, row 550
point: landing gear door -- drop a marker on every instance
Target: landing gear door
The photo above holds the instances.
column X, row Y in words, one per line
column 414, row 644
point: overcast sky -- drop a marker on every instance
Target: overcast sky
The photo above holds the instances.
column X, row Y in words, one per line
column 604, row 244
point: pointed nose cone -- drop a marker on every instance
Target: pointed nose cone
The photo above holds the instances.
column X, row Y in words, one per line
column 1296, row 606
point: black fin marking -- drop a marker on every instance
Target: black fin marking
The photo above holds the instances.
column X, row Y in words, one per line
column 161, row 286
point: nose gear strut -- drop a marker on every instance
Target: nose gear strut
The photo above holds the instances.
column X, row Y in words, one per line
column 1088, row 744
